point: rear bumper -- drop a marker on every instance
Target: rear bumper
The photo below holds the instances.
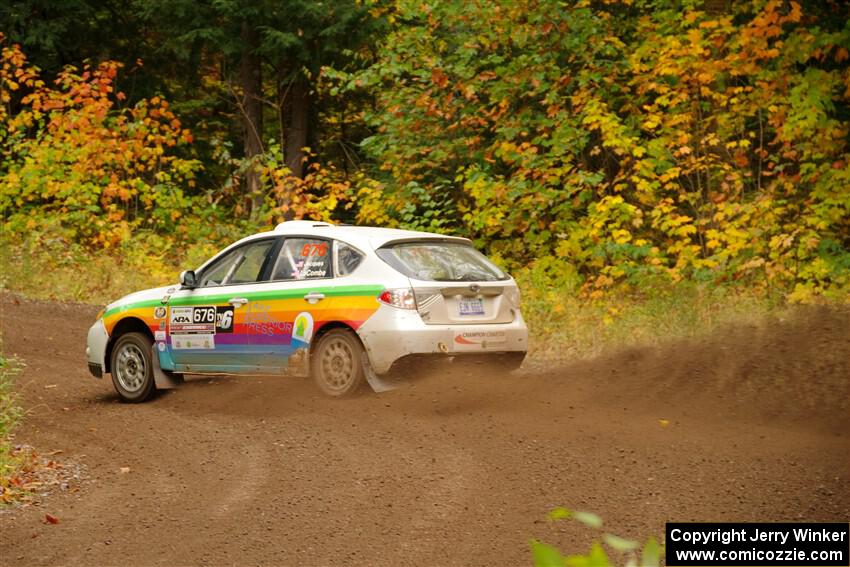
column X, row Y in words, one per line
column 96, row 348
column 392, row 333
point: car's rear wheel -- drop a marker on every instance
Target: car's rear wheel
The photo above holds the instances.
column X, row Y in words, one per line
column 132, row 367
column 337, row 363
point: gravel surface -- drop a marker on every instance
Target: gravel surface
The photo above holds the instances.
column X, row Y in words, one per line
column 750, row 424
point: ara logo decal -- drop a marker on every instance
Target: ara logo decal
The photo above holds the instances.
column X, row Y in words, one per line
column 302, row 328
column 181, row 315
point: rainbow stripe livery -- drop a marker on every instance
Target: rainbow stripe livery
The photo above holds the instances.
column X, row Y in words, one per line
column 341, row 303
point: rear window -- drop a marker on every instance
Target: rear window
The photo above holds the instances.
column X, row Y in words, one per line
column 440, row 262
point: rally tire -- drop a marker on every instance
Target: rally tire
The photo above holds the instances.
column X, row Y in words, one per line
column 132, row 367
column 337, row 363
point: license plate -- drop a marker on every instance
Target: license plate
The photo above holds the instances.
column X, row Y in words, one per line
column 471, row 306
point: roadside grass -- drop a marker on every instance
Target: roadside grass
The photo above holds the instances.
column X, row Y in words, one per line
column 564, row 325
column 52, row 269
column 26, row 475
column 11, row 413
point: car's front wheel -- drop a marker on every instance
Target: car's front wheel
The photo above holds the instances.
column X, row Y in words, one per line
column 337, row 363
column 132, row 367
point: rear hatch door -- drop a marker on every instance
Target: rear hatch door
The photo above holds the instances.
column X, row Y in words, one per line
column 453, row 283
column 463, row 304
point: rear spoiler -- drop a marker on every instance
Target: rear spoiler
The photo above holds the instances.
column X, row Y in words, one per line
column 455, row 239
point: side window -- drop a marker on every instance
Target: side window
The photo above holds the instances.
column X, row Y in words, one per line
column 303, row 259
column 347, row 258
column 243, row 265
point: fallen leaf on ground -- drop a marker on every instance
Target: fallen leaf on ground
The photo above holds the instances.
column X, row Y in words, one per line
column 125, row 469
column 663, row 422
column 50, row 519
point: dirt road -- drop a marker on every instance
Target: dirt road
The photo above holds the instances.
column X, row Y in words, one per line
column 450, row 470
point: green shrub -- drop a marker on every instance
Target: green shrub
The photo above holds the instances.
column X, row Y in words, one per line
column 632, row 553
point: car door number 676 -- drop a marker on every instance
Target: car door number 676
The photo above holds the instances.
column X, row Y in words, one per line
column 204, row 315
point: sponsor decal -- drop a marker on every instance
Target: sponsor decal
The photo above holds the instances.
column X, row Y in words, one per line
column 181, row 315
column 159, row 336
column 185, row 342
column 302, row 330
column 472, row 340
column 161, row 347
column 259, row 321
column 224, row 319
column 193, row 320
column 162, row 325
column 159, row 313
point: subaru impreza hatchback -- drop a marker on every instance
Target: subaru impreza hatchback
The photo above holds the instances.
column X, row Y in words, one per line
column 341, row 303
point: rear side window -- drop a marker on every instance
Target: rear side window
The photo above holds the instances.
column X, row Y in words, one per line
column 441, row 262
column 303, row 259
column 347, row 258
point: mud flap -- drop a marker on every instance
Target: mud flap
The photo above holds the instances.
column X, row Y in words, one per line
column 375, row 382
column 162, row 380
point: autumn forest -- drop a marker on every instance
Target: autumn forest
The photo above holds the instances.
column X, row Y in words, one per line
column 600, row 143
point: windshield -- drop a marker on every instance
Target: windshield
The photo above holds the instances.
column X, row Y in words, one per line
column 441, row 262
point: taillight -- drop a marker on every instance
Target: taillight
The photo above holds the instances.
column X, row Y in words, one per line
column 401, row 298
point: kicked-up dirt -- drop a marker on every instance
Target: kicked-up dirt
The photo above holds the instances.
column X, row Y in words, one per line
column 750, row 424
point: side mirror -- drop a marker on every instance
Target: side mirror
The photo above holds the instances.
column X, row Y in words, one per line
column 187, row 279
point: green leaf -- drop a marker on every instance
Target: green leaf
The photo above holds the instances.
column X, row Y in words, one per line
column 619, row 543
column 651, row 556
column 588, row 519
column 597, row 556
column 559, row 513
column 544, row 555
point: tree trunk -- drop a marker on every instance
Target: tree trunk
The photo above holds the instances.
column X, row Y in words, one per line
column 297, row 126
column 250, row 76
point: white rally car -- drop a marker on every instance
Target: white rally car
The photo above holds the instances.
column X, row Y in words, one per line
column 340, row 303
